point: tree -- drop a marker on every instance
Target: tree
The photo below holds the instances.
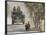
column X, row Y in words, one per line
column 13, row 14
column 17, row 15
column 37, row 9
column 20, row 15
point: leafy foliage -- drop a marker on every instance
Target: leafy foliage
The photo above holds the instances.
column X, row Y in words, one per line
column 18, row 14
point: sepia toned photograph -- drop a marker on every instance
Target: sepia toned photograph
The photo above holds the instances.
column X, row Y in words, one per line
column 25, row 17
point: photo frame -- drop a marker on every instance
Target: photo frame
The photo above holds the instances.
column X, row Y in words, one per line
column 24, row 17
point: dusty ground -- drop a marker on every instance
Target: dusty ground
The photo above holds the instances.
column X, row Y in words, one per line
column 13, row 29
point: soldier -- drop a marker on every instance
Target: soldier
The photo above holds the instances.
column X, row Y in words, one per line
column 27, row 26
